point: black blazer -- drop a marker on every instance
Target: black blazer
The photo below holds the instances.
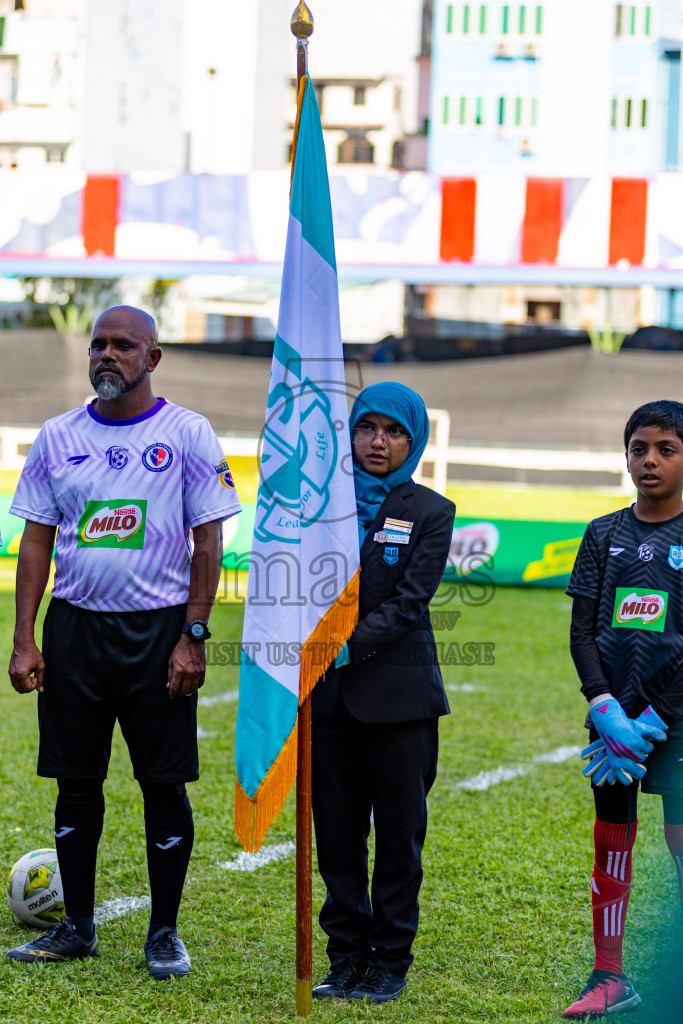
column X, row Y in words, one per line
column 394, row 675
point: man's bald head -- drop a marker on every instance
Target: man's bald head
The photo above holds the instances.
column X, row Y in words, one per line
column 130, row 317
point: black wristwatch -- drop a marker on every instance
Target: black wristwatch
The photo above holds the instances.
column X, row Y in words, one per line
column 197, row 630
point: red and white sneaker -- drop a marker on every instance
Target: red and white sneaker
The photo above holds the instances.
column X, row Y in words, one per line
column 603, row 993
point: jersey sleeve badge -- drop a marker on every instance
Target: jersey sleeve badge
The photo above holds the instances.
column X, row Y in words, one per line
column 224, row 474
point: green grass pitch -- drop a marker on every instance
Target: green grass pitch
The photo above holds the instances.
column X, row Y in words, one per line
column 505, row 934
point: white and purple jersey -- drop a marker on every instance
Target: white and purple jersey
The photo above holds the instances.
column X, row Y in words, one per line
column 125, row 494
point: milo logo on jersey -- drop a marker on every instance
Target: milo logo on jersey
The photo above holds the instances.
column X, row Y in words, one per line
column 636, row 608
column 113, row 524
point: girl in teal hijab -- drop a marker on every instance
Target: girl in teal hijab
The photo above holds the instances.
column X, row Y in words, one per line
column 405, row 407
column 375, row 714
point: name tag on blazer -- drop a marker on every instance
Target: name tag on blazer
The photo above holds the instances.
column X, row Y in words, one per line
column 384, row 537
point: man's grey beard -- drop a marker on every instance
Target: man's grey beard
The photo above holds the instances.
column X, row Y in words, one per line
column 110, row 385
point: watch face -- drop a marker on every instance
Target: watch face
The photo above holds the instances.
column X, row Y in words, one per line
column 198, row 630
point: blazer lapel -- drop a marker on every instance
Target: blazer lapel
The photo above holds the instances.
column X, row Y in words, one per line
column 394, row 506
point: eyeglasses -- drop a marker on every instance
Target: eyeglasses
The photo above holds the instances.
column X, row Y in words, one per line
column 394, row 438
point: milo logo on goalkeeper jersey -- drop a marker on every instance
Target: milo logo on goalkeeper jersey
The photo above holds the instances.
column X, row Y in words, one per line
column 636, row 608
column 113, row 524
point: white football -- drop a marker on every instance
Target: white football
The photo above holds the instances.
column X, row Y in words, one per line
column 34, row 889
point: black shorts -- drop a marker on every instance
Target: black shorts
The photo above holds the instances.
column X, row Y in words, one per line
column 104, row 666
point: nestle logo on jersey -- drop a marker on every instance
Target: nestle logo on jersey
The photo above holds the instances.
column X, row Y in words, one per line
column 636, row 608
column 113, row 524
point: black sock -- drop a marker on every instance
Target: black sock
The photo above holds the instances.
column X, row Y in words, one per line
column 170, row 834
column 79, row 817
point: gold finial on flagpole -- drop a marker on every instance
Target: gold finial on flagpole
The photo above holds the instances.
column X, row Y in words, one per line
column 302, row 26
column 302, row 23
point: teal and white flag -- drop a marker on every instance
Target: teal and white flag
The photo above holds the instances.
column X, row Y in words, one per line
column 302, row 594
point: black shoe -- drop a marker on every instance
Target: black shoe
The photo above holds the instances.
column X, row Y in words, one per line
column 59, row 944
column 166, row 956
column 379, row 986
column 342, row 979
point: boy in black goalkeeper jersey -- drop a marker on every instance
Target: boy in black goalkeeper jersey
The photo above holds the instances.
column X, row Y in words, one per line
column 627, row 645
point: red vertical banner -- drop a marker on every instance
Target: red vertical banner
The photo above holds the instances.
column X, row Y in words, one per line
column 543, row 219
column 99, row 212
column 458, row 205
column 628, row 220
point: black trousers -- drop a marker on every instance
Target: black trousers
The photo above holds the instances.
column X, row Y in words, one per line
column 386, row 770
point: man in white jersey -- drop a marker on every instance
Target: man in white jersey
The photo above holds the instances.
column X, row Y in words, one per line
column 126, row 479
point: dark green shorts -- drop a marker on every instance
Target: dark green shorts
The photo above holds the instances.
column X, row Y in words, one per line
column 665, row 765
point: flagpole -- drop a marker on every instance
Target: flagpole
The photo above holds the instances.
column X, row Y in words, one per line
column 302, row 25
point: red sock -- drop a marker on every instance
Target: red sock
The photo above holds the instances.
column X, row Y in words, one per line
column 610, row 888
column 674, row 840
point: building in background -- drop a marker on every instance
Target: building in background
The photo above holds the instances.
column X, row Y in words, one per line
column 570, row 92
column 201, row 87
column 491, row 147
column 41, row 82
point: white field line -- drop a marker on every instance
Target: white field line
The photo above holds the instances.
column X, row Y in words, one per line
column 111, row 909
column 218, row 698
column 465, row 688
column 253, row 861
column 484, row 780
column 202, row 734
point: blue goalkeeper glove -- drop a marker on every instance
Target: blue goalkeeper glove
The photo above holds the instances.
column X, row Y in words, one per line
column 600, row 770
column 625, row 746
column 650, row 725
column 598, row 767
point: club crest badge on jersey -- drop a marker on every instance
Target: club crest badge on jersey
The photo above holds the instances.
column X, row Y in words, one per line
column 675, row 558
column 390, row 556
column 157, row 457
column 646, row 552
column 224, row 474
column 117, row 457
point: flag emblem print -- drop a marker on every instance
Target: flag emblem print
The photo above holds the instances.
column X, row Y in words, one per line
column 302, row 593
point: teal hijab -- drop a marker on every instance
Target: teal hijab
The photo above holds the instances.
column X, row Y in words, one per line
column 406, row 407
